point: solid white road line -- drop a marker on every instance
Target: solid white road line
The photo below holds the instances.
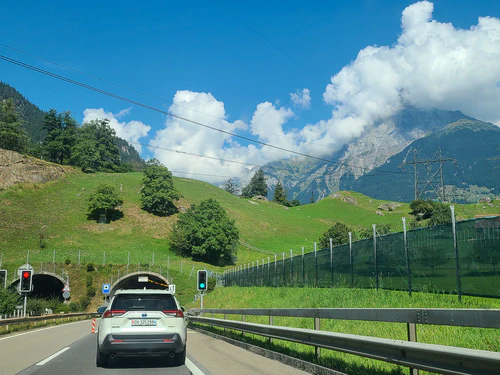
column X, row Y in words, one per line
column 42, row 329
column 52, row 356
column 192, row 367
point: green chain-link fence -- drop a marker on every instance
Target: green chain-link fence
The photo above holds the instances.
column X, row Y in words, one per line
column 435, row 259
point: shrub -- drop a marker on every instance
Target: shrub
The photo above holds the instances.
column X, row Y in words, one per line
column 90, row 291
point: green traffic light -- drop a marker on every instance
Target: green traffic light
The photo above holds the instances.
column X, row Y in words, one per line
column 202, row 285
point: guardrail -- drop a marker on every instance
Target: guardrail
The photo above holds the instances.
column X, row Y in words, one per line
column 429, row 357
column 6, row 322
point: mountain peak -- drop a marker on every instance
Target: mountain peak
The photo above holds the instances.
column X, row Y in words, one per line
column 468, row 124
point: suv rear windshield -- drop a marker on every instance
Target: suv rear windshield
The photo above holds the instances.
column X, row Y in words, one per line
column 146, row 302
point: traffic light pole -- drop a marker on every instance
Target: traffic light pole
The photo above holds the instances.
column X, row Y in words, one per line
column 25, row 298
column 201, row 300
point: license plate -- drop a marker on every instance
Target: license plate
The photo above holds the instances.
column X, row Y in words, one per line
column 143, row 322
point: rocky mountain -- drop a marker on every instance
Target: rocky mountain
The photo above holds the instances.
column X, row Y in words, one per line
column 472, row 143
column 304, row 179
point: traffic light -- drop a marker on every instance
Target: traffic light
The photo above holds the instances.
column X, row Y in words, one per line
column 26, row 280
column 202, row 280
column 3, row 278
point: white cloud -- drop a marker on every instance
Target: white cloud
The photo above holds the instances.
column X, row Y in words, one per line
column 183, row 136
column 301, row 99
column 432, row 65
column 123, row 112
column 131, row 131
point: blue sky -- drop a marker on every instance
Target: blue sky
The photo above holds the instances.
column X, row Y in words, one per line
column 168, row 48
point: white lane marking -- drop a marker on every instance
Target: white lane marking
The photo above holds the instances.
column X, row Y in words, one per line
column 193, row 368
column 42, row 329
column 41, row 363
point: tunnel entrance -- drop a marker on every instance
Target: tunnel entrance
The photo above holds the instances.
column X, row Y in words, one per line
column 45, row 285
column 139, row 280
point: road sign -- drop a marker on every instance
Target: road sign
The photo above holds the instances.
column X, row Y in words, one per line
column 143, row 279
column 66, row 288
column 106, row 288
column 66, row 295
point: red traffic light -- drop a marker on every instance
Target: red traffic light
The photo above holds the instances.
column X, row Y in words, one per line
column 26, row 274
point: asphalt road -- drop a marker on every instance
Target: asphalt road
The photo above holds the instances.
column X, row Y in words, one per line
column 70, row 349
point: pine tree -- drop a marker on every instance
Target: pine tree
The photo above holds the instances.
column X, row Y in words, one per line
column 312, row 197
column 257, row 186
column 280, row 194
column 12, row 134
column 231, row 186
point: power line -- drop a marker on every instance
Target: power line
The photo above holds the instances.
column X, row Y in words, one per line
column 147, row 95
column 267, row 40
column 139, row 104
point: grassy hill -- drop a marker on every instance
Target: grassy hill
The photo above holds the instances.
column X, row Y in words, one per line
column 56, row 211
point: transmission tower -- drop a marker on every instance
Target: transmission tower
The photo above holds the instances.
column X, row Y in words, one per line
column 427, row 178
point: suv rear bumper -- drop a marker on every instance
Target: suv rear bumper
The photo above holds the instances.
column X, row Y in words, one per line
column 137, row 344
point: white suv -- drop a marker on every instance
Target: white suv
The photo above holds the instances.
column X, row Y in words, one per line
column 142, row 322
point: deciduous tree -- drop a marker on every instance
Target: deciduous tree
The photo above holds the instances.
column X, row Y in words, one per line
column 205, row 232
column 158, row 193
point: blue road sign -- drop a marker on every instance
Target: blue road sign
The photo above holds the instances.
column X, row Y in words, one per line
column 106, row 288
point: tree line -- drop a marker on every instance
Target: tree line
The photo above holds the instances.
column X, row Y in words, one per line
column 258, row 187
column 91, row 147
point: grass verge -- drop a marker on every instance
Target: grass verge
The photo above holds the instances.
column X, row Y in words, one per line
column 466, row 337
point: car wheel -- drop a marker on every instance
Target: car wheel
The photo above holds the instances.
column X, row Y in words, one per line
column 180, row 358
column 101, row 360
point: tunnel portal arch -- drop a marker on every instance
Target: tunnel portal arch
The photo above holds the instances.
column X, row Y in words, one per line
column 131, row 281
column 45, row 285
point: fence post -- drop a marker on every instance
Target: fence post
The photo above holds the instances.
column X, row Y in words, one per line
column 331, row 259
column 303, row 270
column 262, row 277
column 268, row 271
column 455, row 245
column 275, row 272
column 315, row 266
column 28, row 257
column 283, row 267
column 270, row 340
column 407, row 256
column 350, row 260
column 375, row 253
column 317, row 350
column 412, row 336
column 291, row 267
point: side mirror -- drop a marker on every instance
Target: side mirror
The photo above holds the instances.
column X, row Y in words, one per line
column 183, row 309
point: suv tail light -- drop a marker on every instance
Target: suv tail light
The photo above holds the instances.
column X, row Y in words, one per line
column 178, row 313
column 113, row 313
